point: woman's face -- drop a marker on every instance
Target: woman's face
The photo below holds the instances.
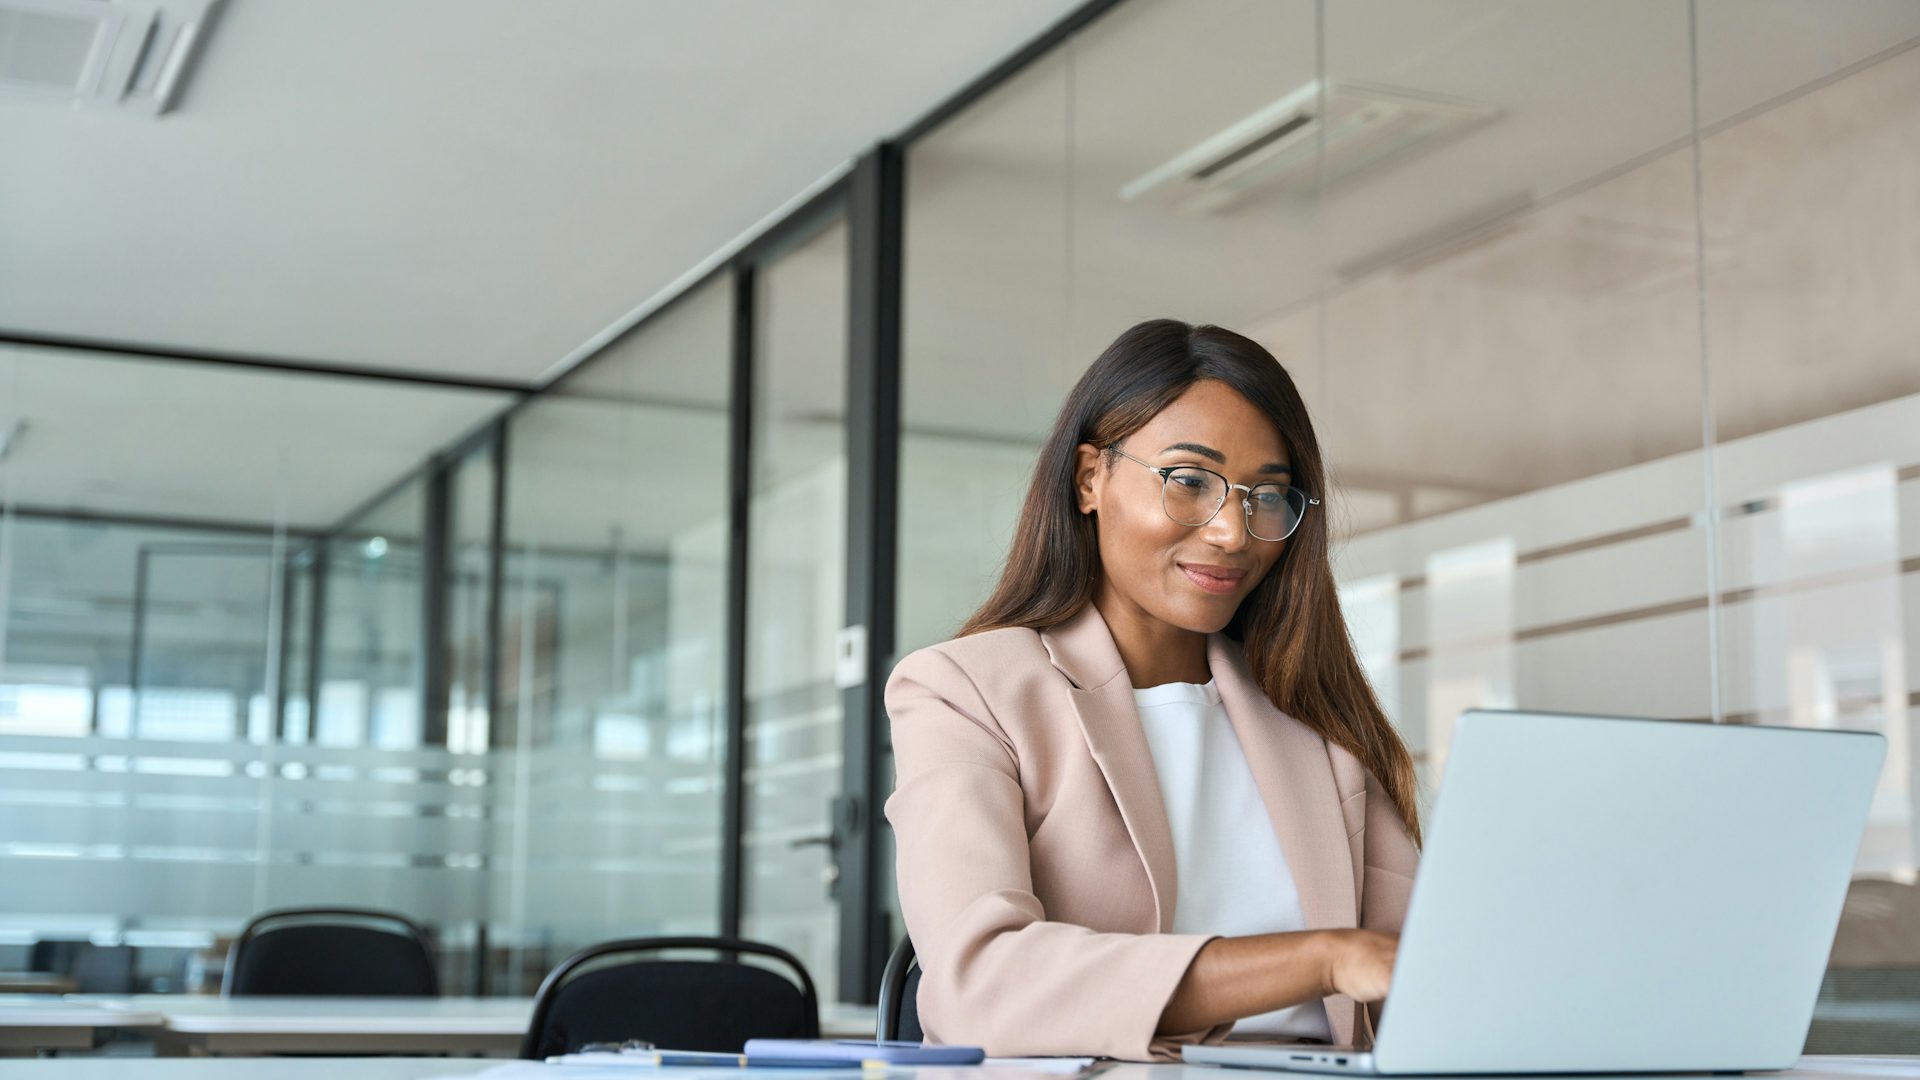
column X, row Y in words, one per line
column 1190, row 577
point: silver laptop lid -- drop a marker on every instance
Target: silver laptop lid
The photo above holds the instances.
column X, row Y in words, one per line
column 1611, row 895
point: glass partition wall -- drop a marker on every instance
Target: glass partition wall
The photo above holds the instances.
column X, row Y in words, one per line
column 608, row 743
column 186, row 737
column 1602, row 312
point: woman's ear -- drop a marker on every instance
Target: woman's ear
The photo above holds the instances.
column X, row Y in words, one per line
column 1086, row 466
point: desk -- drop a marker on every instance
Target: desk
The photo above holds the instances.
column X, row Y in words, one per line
column 124, row 1068
column 120, row 1068
column 35, row 982
column 339, row 1025
column 32, row 1022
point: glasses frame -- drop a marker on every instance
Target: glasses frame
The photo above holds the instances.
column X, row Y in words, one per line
column 1246, row 503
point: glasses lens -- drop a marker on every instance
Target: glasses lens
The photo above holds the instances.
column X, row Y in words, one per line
column 1276, row 511
column 1192, row 495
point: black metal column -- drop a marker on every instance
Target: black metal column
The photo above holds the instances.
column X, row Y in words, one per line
column 289, row 574
column 136, row 647
column 734, row 693
column 492, row 644
column 435, row 534
column 496, row 584
column 317, row 632
column 873, row 444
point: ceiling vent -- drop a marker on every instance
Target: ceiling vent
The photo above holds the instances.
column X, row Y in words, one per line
column 99, row 54
column 1274, row 150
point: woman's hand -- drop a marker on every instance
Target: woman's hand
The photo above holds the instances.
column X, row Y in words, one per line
column 1360, row 963
column 1232, row 978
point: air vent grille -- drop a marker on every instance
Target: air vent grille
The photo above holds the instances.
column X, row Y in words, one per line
column 114, row 54
column 1276, row 149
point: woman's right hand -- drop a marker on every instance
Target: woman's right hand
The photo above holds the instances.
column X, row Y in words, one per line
column 1360, row 963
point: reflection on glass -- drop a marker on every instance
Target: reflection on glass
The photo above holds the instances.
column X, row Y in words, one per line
column 1470, row 613
column 370, row 662
column 469, row 569
column 1507, row 359
column 1815, row 406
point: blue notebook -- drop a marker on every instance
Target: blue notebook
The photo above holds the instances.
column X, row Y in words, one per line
column 860, row 1051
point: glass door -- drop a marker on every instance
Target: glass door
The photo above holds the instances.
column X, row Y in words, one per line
column 796, row 601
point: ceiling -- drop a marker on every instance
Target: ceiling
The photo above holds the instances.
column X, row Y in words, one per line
column 119, row 435
column 471, row 187
column 466, row 188
column 477, row 188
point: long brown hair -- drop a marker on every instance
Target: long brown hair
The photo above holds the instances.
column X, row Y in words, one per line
column 1290, row 625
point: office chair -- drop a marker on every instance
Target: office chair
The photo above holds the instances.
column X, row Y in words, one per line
column 900, row 996
column 331, row 952
column 716, row 1005
column 94, row 969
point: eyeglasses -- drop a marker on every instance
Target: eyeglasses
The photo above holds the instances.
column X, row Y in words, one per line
column 1192, row 496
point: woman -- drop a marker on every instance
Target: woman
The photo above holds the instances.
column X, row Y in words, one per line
column 1147, row 796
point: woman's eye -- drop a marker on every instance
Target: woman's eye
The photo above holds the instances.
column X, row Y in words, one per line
column 1270, row 500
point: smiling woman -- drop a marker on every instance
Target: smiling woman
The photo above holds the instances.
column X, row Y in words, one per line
column 1149, row 776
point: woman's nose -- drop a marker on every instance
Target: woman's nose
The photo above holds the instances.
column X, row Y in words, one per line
column 1228, row 529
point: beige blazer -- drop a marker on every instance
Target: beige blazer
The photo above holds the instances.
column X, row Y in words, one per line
column 1034, row 859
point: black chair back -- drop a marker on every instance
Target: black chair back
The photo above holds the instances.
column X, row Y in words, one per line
column 900, row 996
column 331, row 952
column 716, row 1005
column 94, row 969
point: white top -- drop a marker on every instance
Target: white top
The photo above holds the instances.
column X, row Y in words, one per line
column 1233, row 876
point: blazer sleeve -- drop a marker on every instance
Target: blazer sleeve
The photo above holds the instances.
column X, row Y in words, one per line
column 1386, row 876
column 994, row 972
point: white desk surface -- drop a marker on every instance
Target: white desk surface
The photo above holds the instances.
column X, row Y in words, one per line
column 122, row 1068
column 317, row 1025
column 239, row 1068
column 203, row 1015
column 31, row 1022
column 35, row 982
column 51, row 1011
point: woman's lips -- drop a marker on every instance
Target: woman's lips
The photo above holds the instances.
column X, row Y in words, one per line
column 1218, row 580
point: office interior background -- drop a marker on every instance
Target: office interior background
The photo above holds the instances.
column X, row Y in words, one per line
column 407, row 499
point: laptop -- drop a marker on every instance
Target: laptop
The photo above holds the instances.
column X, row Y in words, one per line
column 1615, row 895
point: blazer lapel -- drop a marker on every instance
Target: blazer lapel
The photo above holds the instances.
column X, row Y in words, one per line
column 1295, row 778
column 1102, row 698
